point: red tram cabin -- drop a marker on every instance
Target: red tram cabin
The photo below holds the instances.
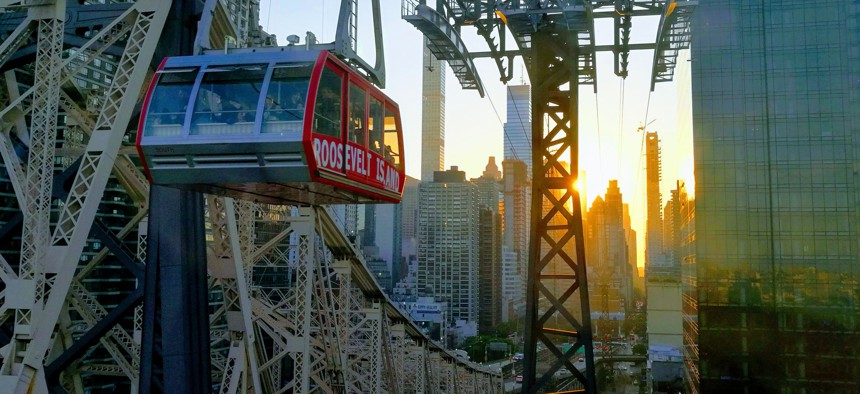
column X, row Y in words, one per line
column 277, row 127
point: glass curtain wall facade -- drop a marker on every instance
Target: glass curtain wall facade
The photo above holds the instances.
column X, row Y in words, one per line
column 432, row 115
column 776, row 150
column 518, row 125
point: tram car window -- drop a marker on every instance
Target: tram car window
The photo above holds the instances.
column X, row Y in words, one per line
column 170, row 102
column 327, row 112
column 376, row 111
column 284, row 105
column 357, row 114
column 227, row 99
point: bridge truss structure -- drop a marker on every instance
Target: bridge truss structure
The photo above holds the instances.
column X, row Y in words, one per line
column 289, row 304
column 556, row 40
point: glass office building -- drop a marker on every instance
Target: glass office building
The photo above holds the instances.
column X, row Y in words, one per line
column 776, row 121
column 518, row 126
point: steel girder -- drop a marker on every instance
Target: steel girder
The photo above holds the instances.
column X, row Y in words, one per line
column 673, row 35
column 226, row 263
column 81, row 21
column 51, row 273
column 77, row 223
column 557, row 274
column 444, row 41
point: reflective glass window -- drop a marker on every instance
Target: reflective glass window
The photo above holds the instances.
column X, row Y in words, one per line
column 357, row 114
column 284, row 107
column 226, row 103
column 169, row 101
column 392, row 139
column 327, row 110
column 377, row 112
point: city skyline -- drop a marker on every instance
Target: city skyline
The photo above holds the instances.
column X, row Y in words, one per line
column 608, row 150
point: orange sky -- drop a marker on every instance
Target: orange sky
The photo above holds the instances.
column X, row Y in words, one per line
column 610, row 148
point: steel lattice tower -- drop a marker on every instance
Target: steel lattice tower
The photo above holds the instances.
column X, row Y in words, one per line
column 556, row 40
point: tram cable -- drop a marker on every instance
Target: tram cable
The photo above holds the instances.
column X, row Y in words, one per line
column 269, row 14
column 517, row 108
column 505, row 132
column 621, row 124
column 597, row 115
column 641, row 156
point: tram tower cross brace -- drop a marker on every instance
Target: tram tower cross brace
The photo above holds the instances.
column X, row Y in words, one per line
column 556, row 40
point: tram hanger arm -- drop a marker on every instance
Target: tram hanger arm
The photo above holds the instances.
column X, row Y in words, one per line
column 343, row 40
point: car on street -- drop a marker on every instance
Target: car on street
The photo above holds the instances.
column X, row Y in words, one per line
column 563, row 372
column 519, row 379
column 518, row 356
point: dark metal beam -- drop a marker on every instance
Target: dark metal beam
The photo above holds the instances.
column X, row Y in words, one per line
column 101, row 231
column 556, row 269
column 176, row 315
column 596, row 48
column 76, row 351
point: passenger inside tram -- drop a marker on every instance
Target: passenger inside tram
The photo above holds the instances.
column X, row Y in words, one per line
column 169, row 104
column 227, row 101
column 284, row 108
column 273, row 110
column 356, row 115
column 327, row 117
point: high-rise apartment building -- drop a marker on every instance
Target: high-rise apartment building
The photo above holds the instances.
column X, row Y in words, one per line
column 346, row 216
column 672, row 235
column 653, row 198
column 490, row 187
column 610, row 274
column 489, row 270
column 632, row 255
column 776, row 130
column 448, row 232
column 490, row 247
column 518, row 126
column 409, row 221
column 617, row 240
column 513, row 300
column 516, row 192
column 432, row 115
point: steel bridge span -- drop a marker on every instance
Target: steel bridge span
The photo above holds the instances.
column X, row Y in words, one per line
column 292, row 306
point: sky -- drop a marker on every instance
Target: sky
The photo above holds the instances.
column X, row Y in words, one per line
column 611, row 147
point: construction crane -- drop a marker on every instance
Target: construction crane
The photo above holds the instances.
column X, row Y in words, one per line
column 556, row 40
column 642, row 127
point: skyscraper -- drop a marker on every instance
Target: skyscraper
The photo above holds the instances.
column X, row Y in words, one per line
column 776, row 130
column 654, row 229
column 616, row 241
column 346, row 216
column 489, row 270
column 432, row 115
column 490, row 247
column 409, row 222
column 516, row 190
column 448, row 243
column 610, row 268
column 518, row 126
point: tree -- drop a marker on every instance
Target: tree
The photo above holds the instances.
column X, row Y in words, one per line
column 635, row 323
column 505, row 329
column 639, row 349
column 605, row 376
column 476, row 347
